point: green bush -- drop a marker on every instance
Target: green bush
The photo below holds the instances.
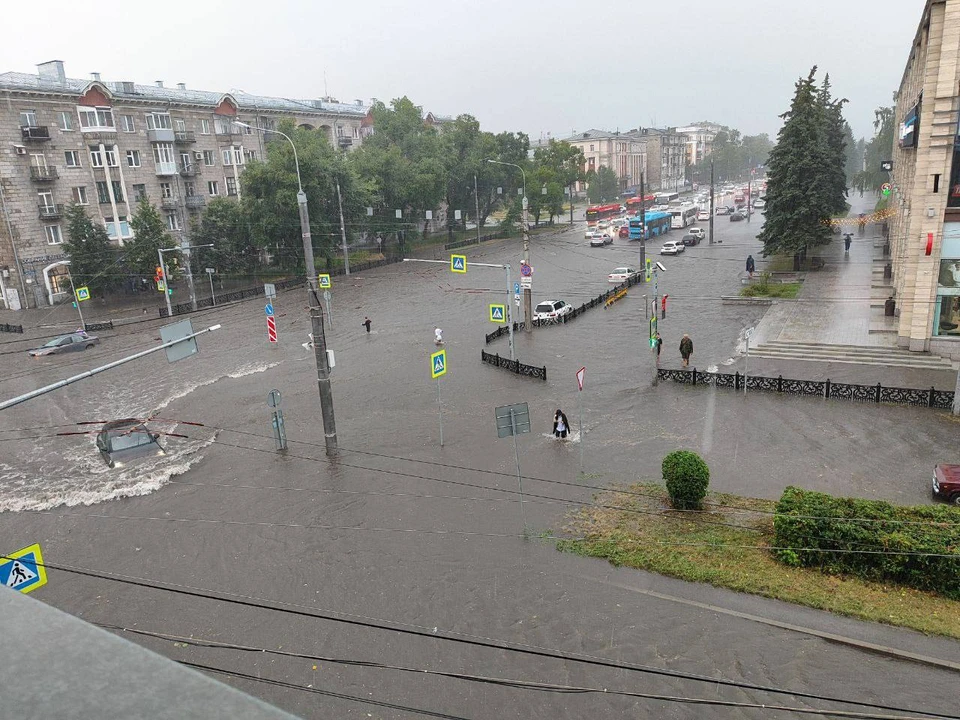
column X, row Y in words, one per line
column 818, row 530
column 687, row 477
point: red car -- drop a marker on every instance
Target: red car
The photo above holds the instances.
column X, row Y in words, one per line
column 624, row 232
column 946, row 483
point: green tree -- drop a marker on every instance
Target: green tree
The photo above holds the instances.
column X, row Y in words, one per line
column 149, row 235
column 687, row 477
column 833, row 180
column 603, row 185
column 93, row 261
column 556, row 166
column 224, row 225
column 796, row 217
column 879, row 148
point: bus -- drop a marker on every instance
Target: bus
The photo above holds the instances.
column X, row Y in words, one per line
column 683, row 216
column 665, row 198
column 658, row 223
column 634, row 203
column 596, row 213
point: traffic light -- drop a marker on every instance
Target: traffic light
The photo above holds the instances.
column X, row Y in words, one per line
column 648, row 270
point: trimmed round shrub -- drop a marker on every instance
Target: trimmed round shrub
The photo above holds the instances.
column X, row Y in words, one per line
column 687, row 477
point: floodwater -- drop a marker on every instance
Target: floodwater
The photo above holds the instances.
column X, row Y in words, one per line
column 408, row 533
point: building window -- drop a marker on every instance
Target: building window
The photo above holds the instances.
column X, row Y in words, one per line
column 223, row 126
column 127, row 123
column 250, row 155
column 96, row 158
column 139, row 192
column 163, row 153
column 65, row 121
column 231, row 186
column 95, row 118
column 591, row 148
column 103, row 192
column 238, row 156
column 111, row 157
column 173, row 221
column 133, row 158
column 180, row 125
column 54, row 237
column 125, row 231
column 71, row 158
column 166, row 190
column 356, row 131
column 213, row 188
column 208, row 158
column 159, row 121
column 80, row 195
column 190, row 189
column 45, row 200
column 204, row 126
column 28, row 118
column 185, row 163
column 227, row 157
column 118, row 191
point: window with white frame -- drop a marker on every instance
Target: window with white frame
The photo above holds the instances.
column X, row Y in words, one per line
column 133, row 158
column 45, row 200
column 356, row 131
column 189, row 189
column 139, row 192
column 28, row 118
column 65, row 121
column 95, row 118
column 209, row 159
column 227, row 156
column 204, row 126
column 180, row 125
column 166, row 190
column 96, row 157
column 224, row 125
column 103, row 192
column 231, row 186
column 80, row 195
column 213, row 188
column 250, row 154
column 111, row 156
column 71, row 158
column 159, row 121
column 54, row 236
column 238, row 156
column 185, row 162
column 173, row 221
column 127, row 123
column 125, row 231
column 163, row 153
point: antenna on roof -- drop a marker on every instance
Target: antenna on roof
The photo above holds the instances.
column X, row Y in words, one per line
column 325, row 93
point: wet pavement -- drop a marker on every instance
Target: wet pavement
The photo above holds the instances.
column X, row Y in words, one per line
column 403, row 530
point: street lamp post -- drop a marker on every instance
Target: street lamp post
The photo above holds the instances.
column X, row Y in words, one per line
column 527, row 294
column 316, row 314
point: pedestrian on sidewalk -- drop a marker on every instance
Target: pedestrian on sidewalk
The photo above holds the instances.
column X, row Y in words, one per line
column 847, row 239
column 657, row 344
column 560, row 425
column 663, row 307
column 686, row 349
column 751, row 266
column 367, row 322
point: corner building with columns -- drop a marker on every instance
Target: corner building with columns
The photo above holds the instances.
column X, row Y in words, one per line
column 106, row 144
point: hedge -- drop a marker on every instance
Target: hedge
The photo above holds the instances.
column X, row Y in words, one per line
column 686, row 476
column 809, row 523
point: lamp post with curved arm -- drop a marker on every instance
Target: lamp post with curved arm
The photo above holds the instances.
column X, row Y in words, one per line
column 316, row 314
column 527, row 294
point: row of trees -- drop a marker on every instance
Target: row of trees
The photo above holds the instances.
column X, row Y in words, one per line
column 405, row 164
column 733, row 157
column 806, row 172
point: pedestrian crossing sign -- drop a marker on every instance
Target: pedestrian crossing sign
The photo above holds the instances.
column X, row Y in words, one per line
column 324, row 281
column 23, row 570
column 83, row 293
column 498, row 313
column 458, row 263
column 438, row 364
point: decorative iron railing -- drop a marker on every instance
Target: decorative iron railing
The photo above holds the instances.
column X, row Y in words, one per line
column 6, row 327
column 826, row 389
column 514, row 366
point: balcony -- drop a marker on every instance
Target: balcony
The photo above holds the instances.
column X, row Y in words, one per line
column 168, row 203
column 166, row 168
column 35, row 132
column 344, row 142
column 191, row 170
column 50, row 212
column 43, row 174
column 225, row 132
column 160, row 135
column 195, row 202
column 184, row 137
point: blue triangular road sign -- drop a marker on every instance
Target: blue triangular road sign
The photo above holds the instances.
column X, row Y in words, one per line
column 438, row 364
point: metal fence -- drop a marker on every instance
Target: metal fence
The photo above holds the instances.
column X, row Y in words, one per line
column 933, row 398
column 225, row 298
column 4, row 327
column 93, row 327
column 599, row 300
column 474, row 240
column 514, row 366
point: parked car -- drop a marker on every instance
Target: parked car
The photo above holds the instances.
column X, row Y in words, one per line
column 551, row 310
column 946, row 483
column 621, row 274
column 624, row 232
column 71, row 342
column 723, row 210
column 672, row 247
column 736, row 216
column 689, row 240
column 698, row 233
column 759, row 203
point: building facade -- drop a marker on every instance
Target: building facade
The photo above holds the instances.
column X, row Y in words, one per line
column 104, row 145
column 925, row 225
column 698, row 141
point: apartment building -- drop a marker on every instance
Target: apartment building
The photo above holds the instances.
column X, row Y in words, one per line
column 105, row 144
column 698, row 140
column 667, row 150
column 925, row 229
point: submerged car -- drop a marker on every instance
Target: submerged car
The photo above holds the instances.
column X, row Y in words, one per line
column 72, row 342
column 621, row 274
column 551, row 310
column 672, row 247
column 120, row 441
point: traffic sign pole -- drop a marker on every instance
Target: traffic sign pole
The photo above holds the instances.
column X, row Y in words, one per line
column 580, row 374
column 76, row 301
column 506, row 270
column 440, row 412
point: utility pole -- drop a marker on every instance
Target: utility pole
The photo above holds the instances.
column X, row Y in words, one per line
column 711, row 202
column 571, row 203
column 76, row 301
column 476, row 200
column 316, row 322
column 527, row 292
column 185, row 245
column 643, row 227
column 166, row 282
column 749, row 194
column 343, row 234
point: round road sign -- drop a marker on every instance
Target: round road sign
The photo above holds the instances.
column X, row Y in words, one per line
column 526, row 270
column 273, row 399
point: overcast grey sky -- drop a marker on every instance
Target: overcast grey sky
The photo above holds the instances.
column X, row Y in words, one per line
column 528, row 65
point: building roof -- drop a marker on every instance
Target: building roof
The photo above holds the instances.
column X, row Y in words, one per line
column 24, row 82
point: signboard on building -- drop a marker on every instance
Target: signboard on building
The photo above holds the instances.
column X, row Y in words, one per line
column 909, row 128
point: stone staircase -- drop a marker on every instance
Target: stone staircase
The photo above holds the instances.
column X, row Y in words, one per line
column 854, row 354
